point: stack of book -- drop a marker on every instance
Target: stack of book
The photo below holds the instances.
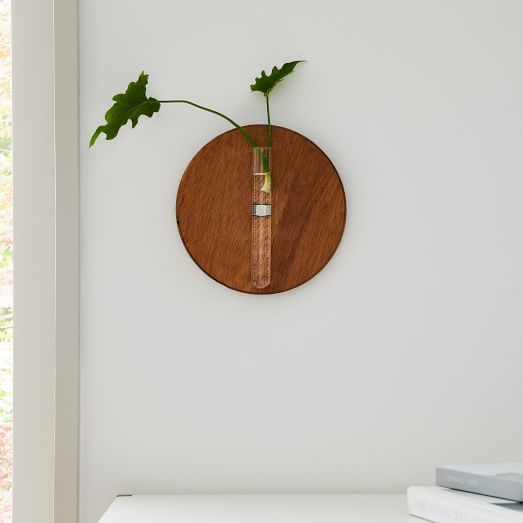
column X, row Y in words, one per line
column 471, row 494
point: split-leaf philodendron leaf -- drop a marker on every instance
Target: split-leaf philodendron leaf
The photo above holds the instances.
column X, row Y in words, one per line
column 265, row 84
column 128, row 106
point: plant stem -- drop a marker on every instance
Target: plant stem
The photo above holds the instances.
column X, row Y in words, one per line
column 264, row 159
column 269, row 128
column 230, row 120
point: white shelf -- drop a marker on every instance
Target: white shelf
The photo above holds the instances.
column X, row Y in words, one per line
column 294, row 508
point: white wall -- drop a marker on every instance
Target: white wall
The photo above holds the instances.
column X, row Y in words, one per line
column 405, row 351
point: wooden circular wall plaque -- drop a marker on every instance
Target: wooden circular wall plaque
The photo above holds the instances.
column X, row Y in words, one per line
column 214, row 207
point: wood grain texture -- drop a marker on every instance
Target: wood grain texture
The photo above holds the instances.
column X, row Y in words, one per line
column 214, row 203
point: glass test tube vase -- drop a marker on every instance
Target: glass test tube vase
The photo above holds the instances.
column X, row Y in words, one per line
column 261, row 218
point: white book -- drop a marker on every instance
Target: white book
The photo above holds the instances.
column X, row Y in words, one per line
column 442, row 505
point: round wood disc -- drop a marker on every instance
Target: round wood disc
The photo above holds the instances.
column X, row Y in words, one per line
column 214, row 205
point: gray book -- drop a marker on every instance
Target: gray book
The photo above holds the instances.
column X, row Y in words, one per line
column 501, row 480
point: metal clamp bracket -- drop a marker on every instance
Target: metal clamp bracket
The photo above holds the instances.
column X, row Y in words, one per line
column 260, row 209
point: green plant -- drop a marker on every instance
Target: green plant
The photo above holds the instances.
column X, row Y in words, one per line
column 132, row 104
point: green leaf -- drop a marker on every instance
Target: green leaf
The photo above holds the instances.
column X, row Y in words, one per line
column 129, row 106
column 265, row 84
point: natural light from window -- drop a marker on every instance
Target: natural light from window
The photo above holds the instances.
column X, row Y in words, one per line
column 6, row 268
